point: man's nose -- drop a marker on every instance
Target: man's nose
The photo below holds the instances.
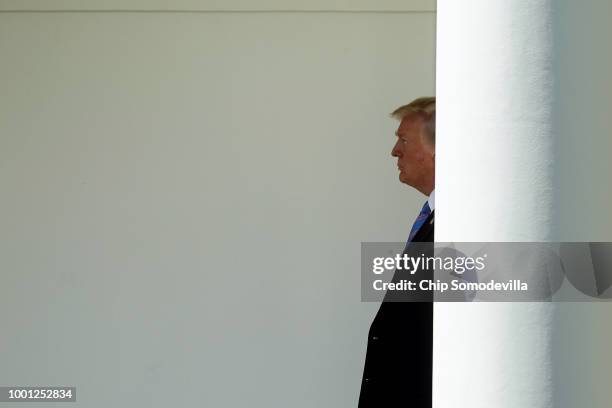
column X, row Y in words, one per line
column 395, row 152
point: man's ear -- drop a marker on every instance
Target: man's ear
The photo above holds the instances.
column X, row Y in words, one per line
column 428, row 145
column 430, row 149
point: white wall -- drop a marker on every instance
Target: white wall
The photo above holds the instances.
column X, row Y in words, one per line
column 184, row 195
column 583, row 58
column 216, row 5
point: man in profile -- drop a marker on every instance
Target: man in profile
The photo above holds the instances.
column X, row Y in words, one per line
column 398, row 364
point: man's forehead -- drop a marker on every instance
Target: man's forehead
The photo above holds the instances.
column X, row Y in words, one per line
column 408, row 122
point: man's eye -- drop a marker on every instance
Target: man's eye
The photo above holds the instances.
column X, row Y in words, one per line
column 404, row 141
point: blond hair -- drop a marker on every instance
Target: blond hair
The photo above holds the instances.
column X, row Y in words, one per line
column 425, row 108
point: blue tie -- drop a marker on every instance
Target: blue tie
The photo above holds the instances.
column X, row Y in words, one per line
column 420, row 220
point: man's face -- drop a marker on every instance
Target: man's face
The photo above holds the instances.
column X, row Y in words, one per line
column 414, row 158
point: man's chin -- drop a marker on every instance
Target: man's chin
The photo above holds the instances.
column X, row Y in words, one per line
column 403, row 179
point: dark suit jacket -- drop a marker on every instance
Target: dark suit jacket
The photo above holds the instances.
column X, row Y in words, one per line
column 398, row 364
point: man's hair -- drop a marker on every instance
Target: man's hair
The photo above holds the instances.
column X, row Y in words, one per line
column 425, row 108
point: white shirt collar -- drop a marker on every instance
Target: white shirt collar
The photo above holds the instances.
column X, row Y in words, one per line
column 432, row 200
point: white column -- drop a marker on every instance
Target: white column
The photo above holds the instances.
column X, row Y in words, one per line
column 504, row 157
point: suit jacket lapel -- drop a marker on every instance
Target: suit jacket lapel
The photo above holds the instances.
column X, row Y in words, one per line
column 425, row 229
